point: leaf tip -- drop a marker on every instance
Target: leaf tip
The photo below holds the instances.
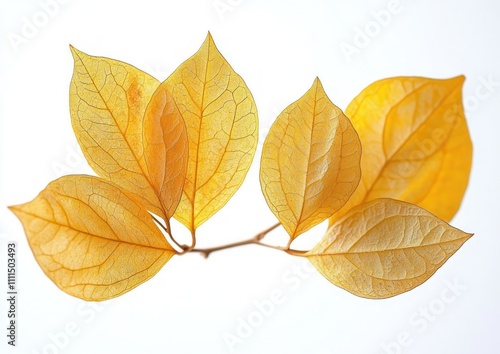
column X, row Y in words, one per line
column 457, row 80
column 13, row 208
column 317, row 86
column 16, row 210
column 75, row 52
column 209, row 39
column 317, row 82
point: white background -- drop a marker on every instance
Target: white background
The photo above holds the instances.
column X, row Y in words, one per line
column 278, row 48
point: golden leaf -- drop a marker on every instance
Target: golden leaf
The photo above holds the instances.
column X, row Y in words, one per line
column 385, row 247
column 108, row 99
column 310, row 162
column 221, row 119
column 91, row 238
column 165, row 149
column 416, row 145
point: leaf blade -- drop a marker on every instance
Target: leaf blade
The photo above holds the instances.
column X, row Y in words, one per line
column 310, row 162
column 221, row 118
column 416, row 144
column 165, row 149
column 91, row 238
column 385, row 247
column 108, row 99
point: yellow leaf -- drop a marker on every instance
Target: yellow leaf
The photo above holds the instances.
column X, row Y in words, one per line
column 221, row 119
column 91, row 238
column 310, row 162
column 165, row 149
column 385, row 247
column 108, row 99
column 416, row 145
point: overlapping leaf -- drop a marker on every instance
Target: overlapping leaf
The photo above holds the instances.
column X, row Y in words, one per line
column 221, row 119
column 108, row 100
column 183, row 147
column 385, row 247
column 416, row 145
column 165, row 150
column 91, row 238
column 310, row 162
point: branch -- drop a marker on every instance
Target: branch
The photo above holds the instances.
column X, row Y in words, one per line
column 185, row 248
column 205, row 252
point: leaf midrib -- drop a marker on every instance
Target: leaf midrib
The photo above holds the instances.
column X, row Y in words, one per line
column 156, row 193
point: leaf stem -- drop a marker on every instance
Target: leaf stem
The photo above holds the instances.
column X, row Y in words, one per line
column 298, row 253
column 167, row 229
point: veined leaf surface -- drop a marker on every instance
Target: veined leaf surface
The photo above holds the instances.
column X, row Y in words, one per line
column 310, row 162
column 385, row 247
column 416, row 144
column 165, row 150
column 91, row 238
column 108, row 99
column 221, row 119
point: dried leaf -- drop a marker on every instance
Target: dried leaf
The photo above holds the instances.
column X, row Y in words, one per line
column 385, row 247
column 416, row 145
column 310, row 162
column 91, row 238
column 221, row 118
column 108, row 99
column 165, row 149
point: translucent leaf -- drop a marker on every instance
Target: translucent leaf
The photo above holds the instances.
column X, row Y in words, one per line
column 221, row 119
column 165, row 149
column 310, row 162
column 91, row 238
column 385, row 247
column 416, row 145
column 108, row 99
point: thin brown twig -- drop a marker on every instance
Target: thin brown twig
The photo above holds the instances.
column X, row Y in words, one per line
column 205, row 252
column 185, row 248
column 169, row 233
